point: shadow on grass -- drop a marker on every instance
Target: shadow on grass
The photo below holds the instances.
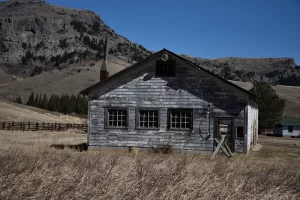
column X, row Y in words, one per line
column 77, row 147
column 272, row 135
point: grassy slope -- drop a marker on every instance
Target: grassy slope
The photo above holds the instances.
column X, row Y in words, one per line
column 290, row 93
column 67, row 81
column 32, row 170
column 15, row 112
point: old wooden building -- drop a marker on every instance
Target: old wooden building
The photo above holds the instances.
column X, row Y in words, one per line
column 167, row 100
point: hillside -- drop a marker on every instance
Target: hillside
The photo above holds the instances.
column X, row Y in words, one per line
column 290, row 93
column 272, row 70
column 15, row 112
column 36, row 36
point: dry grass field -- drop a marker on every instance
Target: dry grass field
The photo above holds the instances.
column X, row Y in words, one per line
column 21, row 113
column 30, row 169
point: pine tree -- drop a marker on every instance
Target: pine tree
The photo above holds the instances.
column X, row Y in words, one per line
column 79, row 105
column 19, row 100
column 271, row 106
column 51, row 103
column 36, row 101
column 45, row 102
column 40, row 102
column 30, row 101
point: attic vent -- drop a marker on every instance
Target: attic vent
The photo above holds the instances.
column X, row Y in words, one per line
column 165, row 57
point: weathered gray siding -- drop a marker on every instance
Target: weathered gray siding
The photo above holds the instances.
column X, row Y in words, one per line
column 252, row 127
column 139, row 88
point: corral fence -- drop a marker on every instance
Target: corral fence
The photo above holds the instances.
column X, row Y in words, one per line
column 41, row 126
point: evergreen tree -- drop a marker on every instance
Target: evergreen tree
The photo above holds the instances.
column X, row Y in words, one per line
column 79, row 105
column 30, row 101
column 45, row 102
column 73, row 104
column 271, row 106
column 19, row 100
column 40, row 102
column 51, row 103
column 36, row 101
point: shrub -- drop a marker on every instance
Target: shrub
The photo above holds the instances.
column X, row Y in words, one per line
column 78, row 26
column 63, row 43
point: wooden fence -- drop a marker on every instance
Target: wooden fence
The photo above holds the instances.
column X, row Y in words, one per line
column 32, row 126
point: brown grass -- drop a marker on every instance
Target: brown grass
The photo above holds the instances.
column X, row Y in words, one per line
column 10, row 111
column 35, row 171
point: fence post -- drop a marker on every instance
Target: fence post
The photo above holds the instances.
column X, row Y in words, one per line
column 12, row 126
column 37, row 126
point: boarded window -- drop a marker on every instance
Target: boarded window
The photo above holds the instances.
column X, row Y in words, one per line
column 239, row 132
column 180, row 119
column 148, row 119
column 117, row 118
column 166, row 68
column 291, row 129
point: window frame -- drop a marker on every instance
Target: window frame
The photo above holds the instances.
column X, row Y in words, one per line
column 137, row 118
column 169, row 120
column 170, row 62
column 106, row 118
column 290, row 129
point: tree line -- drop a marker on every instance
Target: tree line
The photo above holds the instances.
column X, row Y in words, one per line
column 65, row 104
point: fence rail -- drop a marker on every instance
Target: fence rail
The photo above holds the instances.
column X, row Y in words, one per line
column 34, row 126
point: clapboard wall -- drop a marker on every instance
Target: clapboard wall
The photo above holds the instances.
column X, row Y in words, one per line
column 139, row 88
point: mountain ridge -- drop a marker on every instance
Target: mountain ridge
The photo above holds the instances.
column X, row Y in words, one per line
column 51, row 37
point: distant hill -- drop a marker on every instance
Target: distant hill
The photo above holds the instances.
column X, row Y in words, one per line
column 272, row 70
column 36, row 37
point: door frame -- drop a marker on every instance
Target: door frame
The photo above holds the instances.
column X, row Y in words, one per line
column 233, row 131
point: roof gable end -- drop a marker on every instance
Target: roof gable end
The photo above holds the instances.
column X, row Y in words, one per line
column 86, row 91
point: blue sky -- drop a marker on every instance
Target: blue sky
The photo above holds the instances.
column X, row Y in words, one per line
column 204, row 28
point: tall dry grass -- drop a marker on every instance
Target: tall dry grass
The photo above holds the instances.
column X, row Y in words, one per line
column 44, row 173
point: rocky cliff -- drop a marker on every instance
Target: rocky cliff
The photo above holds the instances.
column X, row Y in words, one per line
column 36, row 34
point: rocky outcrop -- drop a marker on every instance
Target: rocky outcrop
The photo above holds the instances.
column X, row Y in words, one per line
column 34, row 33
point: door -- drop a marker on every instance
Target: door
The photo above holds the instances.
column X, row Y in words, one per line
column 224, row 126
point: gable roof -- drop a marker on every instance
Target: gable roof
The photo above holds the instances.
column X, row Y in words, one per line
column 289, row 121
column 85, row 91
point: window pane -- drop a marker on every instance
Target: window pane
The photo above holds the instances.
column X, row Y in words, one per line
column 117, row 118
column 180, row 119
column 148, row 118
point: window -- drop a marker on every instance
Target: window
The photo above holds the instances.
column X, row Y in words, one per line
column 291, row 129
column 165, row 68
column 239, row 132
column 147, row 119
column 180, row 119
column 116, row 118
